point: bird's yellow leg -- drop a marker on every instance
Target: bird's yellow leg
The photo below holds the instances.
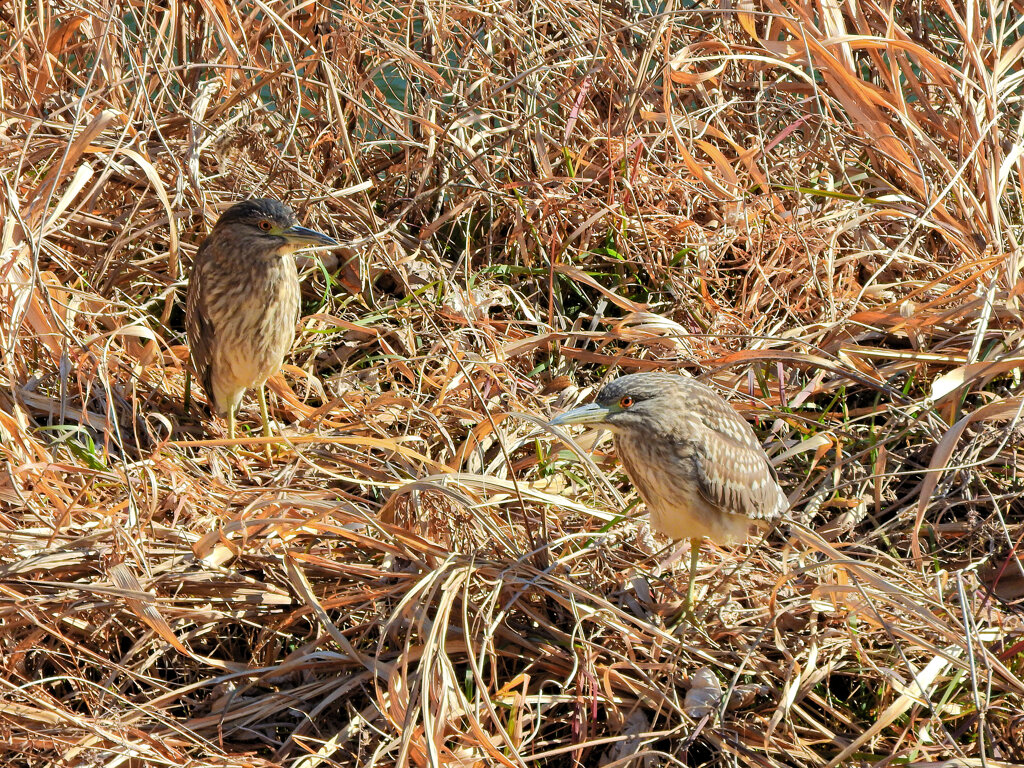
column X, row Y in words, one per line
column 694, row 555
column 231, row 430
column 263, row 409
column 269, row 448
column 688, row 614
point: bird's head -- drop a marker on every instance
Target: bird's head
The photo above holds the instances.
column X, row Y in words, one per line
column 637, row 402
column 268, row 224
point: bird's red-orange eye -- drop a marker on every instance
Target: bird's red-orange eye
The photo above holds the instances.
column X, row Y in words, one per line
column 626, row 401
column 265, row 225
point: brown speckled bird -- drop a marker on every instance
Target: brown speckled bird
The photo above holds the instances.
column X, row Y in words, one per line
column 243, row 301
column 696, row 463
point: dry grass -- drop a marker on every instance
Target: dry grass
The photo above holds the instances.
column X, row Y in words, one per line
column 816, row 206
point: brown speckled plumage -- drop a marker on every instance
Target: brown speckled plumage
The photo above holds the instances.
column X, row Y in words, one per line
column 696, row 463
column 720, row 480
column 243, row 300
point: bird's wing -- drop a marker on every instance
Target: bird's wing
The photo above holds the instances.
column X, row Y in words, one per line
column 733, row 471
column 198, row 326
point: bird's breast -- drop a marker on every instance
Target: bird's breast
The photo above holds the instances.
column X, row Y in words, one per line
column 269, row 314
column 259, row 329
column 666, row 476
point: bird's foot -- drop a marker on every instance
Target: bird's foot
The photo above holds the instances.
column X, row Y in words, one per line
column 244, row 451
column 662, row 604
column 276, row 449
column 681, row 617
column 267, row 452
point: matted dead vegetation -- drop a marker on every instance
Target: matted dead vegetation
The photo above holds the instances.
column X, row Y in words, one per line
column 815, row 206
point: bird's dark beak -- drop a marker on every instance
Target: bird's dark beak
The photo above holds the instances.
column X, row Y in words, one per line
column 592, row 413
column 300, row 236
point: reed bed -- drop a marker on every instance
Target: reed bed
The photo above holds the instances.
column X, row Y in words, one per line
column 815, row 207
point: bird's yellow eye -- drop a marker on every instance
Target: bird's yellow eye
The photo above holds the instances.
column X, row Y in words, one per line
column 265, row 225
column 626, row 401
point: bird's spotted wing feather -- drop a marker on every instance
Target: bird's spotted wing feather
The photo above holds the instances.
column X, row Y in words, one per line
column 733, row 471
column 199, row 327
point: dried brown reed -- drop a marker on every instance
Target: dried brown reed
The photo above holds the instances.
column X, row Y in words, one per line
column 816, row 203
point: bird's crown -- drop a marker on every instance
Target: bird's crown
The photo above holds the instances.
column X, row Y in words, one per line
column 256, row 210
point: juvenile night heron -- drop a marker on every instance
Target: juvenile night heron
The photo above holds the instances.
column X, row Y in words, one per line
column 697, row 464
column 243, row 301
